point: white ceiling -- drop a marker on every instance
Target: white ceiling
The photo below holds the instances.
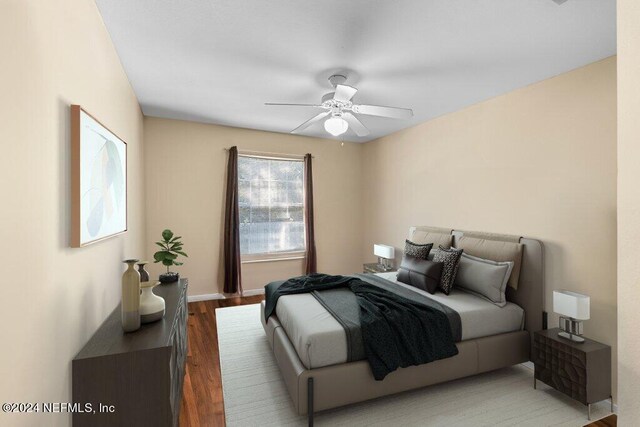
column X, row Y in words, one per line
column 219, row 61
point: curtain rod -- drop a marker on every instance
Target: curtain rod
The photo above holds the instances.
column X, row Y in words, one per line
column 269, row 154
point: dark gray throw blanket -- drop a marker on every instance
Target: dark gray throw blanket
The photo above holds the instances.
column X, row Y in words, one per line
column 396, row 331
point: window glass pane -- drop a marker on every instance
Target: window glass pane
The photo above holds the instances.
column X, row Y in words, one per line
column 271, row 195
column 259, row 214
column 244, row 237
column 244, row 169
column 245, row 215
column 297, row 172
column 295, row 193
column 260, row 169
column 278, row 193
column 281, row 172
column 244, row 193
column 296, row 213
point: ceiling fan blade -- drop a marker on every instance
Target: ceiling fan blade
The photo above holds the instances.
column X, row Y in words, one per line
column 376, row 110
column 311, row 121
column 292, row 105
column 344, row 93
column 355, row 124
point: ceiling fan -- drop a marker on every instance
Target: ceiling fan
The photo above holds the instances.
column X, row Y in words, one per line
column 339, row 107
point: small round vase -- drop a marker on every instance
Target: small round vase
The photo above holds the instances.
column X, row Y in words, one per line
column 151, row 305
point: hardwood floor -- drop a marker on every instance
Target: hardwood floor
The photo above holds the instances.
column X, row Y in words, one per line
column 202, row 403
column 610, row 421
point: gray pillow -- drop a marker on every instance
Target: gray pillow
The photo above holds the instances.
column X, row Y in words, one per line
column 484, row 277
column 420, row 273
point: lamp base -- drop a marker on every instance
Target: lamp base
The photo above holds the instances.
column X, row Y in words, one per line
column 570, row 329
column 385, row 264
column 571, row 337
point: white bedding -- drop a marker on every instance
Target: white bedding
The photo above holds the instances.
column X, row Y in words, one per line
column 320, row 340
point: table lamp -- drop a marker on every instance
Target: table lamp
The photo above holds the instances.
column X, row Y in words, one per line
column 573, row 308
column 385, row 254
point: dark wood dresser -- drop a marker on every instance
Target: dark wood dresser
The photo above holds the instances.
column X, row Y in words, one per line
column 582, row 371
column 136, row 378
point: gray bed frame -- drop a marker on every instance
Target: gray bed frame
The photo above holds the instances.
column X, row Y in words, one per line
column 313, row 390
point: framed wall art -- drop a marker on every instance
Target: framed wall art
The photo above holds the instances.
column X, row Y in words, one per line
column 98, row 180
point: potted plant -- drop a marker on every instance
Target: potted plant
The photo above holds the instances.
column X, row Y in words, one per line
column 171, row 249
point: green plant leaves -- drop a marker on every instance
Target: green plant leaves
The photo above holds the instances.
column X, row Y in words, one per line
column 171, row 249
column 167, row 235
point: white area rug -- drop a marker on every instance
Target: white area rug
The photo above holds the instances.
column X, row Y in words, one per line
column 254, row 394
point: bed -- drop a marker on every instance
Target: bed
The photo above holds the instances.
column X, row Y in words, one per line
column 310, row 350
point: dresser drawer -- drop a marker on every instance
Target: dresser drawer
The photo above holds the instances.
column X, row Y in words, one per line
column 582, row 371
column 178, row 355
column 564, row 361
column 563, row 384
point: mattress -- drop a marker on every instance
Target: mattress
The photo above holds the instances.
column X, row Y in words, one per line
column 320, row 340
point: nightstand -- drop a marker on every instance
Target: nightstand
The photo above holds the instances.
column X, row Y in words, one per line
column 374, row 267
column 582, row 371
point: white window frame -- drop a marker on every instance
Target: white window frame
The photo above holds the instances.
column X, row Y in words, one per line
column 277, row 256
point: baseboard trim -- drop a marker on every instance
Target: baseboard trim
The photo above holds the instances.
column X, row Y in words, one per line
column 251, row 292
column 204, row 297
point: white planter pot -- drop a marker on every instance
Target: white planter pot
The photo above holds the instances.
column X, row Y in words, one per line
column 151, row 305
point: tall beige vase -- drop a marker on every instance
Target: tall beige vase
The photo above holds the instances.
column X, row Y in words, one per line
column 131, row 297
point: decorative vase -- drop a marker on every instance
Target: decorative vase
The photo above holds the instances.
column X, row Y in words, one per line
column 169, row 277
column 130, row 297
column 144, row 274
column 151, row 305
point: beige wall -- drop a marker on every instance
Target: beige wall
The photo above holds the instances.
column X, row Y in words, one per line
column 629, row 211
column 185, row 176
column 54, row 297
column 539, row 162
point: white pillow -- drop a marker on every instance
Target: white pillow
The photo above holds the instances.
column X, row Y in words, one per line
column 484, row 277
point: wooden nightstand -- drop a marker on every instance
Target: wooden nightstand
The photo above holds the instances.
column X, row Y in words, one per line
column 582, row 371
column 374, row 267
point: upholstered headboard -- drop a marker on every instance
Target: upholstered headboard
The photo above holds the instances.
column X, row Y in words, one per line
column 530, row 291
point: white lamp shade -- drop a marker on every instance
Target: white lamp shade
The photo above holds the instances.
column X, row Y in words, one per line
column 572, row 304
column 384, row 251
column 336, row 125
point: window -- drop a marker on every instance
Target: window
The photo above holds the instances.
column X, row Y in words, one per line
column 271, row 202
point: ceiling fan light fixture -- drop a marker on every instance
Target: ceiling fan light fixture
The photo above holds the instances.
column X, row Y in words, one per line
column 338, row 106
column 336, row 125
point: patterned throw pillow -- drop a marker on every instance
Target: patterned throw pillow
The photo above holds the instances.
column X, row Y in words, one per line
column 450, row 258
column 417, row 251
